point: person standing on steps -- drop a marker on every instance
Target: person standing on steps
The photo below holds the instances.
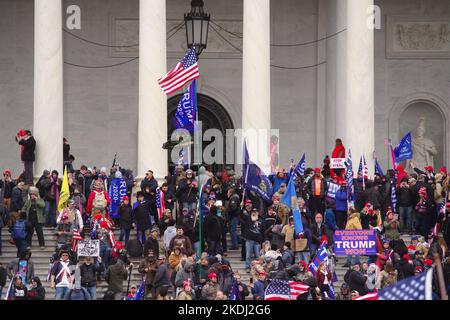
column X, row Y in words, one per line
column 28, row 144
column 34, row 209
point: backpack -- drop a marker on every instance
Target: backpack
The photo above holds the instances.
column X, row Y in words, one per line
column 18, row 231
column 135, row 248
column 99, row 201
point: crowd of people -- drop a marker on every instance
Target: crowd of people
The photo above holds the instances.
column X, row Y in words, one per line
column 177, row 261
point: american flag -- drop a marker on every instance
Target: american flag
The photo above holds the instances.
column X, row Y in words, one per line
column 183, row 72
column 284, row 290
column 75, row 238
column 369, row 296
column 412, row 288
column 363, row 168
column 160, row 205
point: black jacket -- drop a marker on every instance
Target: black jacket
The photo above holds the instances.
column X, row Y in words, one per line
column 162, row 276
column 148, row 187
column 404, row 197
column 233, row 208
column 125, row 217
column 253, row 229
column 88, row 274
column 318, row 233
column 28, row 149
column 356, row 281
column 3, row 275
column 213, row 228
column 141, row 216
column 153, row 244
column 186, row 192
column 16, row 200
column 405, row 270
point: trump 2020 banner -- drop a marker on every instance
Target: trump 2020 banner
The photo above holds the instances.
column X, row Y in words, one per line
column 117, row 190
column 355, row 242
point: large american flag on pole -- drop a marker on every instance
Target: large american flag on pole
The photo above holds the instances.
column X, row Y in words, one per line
column 285, row 290
column 183, row 72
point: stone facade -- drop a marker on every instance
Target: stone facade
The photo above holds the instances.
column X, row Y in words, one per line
column 101, row 105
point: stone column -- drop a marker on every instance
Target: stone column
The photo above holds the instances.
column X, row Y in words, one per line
column 256, row 77
column 48, row 86
column 359, row 108
column 152, row 120
column 350, row 79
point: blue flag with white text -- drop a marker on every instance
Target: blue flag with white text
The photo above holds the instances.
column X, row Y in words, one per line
column 404, row 150
column 300, row 168
column 186, row 110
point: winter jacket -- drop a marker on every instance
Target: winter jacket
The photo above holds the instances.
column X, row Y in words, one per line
column 253, row 230
column 88, row 274
column 125, row 216
column 141, row 215
column 153, row 244
column 330, row 219
column 319, row 232
column 405, row 269
column 391, row 229
column 186, row 192
column 233, row 208
column 162, row 276
column 312, row 187
column 182, row 242
column 48, row 188
column 183, row 274
column 259, row 289
column 341, row 200
column 152, row 264
column 388, row 278
column 6, row 189
column 37, row 293
column 39, row 206
column 213, row 228
column 357, row 281
column 404, row 197
column 16, row 200
column 148, row 187
column 115, row 275
column 90, row 206
column 28, row 149
column 353, row 222
column 3, row 276
column 209, row 290
column 169, row 234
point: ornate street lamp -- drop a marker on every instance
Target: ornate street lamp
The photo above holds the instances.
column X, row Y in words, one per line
column 197, row 24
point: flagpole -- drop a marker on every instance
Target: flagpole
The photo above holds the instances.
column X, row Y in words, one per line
column 199, row 206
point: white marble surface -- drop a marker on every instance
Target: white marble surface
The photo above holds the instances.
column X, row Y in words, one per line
column 359, row 133
column 152, row 125
column 256, row 73
column 48, row 86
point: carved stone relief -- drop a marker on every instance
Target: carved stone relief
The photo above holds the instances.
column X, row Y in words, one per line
column 424, row 38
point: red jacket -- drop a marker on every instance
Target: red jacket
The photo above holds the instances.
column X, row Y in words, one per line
column 321, row 278
column 338, row 152
column 91, row 199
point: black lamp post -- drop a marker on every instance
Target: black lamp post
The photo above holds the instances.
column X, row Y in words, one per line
column 197, row 24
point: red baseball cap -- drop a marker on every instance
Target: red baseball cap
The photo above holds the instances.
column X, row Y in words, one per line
column 317, row 170
column 125, row 198
column 248, row 201
column 212, row 275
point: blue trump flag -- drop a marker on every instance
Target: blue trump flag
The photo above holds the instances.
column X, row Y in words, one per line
column 186, row 110
column 404, row 150
column 300, row 168
column 378, row 169
column 255, row 179
column 290, row 199
column 258, row 182
column 117, row 190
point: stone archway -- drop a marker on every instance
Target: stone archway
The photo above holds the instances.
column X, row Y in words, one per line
column 212, row 115
column 405, row 114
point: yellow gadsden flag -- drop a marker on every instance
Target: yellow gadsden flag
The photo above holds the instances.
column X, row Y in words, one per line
column 64, row 195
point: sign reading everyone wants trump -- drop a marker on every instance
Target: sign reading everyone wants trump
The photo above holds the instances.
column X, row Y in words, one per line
column 355, row 242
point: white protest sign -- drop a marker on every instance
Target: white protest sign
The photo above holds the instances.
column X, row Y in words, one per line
column 337, row 163
column 88, row 248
